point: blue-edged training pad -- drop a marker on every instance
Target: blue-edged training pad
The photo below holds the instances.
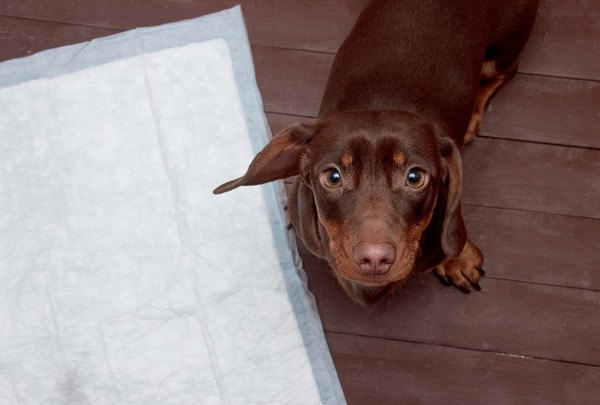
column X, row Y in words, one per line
column 122, row 278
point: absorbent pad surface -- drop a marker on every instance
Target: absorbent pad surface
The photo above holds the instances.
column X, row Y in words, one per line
column 123, row 279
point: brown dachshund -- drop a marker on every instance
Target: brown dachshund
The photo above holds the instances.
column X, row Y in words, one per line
column 379, row 180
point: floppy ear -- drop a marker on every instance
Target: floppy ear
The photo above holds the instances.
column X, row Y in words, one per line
column 454, row 233
column 280, row 159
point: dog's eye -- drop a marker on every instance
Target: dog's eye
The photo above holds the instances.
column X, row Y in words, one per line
column 332, row 178
column 415, row 178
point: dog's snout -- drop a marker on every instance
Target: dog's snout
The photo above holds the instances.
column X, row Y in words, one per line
column 374, row 258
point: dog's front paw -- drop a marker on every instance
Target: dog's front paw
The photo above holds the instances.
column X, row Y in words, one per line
column 463, row 271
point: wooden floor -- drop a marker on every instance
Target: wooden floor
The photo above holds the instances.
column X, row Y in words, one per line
column 531, row 202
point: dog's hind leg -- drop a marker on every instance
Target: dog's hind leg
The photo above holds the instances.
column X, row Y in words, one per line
column 492, row 77
column 506, row 42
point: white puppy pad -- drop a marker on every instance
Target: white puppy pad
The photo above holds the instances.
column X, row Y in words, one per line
column 122, row 278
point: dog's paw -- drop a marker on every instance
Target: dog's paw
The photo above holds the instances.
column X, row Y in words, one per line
column 464, row 271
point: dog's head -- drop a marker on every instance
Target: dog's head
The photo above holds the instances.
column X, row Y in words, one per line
column 380, row 195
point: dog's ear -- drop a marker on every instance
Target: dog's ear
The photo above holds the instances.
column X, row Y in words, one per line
column 454, row 233
column 280, row 159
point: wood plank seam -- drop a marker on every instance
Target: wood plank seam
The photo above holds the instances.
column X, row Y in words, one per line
column 470, row 349
column 489, row 275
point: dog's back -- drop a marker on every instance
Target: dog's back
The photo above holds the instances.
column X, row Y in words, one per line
column 425, row 57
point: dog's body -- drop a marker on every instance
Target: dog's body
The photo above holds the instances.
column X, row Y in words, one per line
column 379, row 173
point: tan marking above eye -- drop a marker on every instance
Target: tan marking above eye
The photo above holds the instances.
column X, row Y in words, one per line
column 346, row 160
column 399, row 158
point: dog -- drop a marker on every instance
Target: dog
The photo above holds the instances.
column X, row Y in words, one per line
column 378, row 180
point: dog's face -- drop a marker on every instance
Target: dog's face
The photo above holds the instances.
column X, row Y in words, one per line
column 373, row 189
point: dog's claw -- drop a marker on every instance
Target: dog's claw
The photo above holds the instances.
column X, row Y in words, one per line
column 481, row 271
column 444, row 280
column 476, row 286
column 464, row 289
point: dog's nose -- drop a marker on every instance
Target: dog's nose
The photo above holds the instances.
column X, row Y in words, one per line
column 374, row 258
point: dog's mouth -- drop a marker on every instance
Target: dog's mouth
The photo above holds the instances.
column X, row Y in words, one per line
column 366, row 295
column 369, row 289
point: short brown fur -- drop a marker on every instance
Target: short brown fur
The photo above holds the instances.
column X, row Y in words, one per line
column 379, row 173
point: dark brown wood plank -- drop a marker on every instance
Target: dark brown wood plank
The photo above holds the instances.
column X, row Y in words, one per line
column 113, row 14
column 378, row 371
column 290, row 81
column 533, row 177
column 310, row 24
column 547, row 110
column 563, row 42
column 537, row 248
column 508, row 317
column 20, row 37
column 278, row 122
